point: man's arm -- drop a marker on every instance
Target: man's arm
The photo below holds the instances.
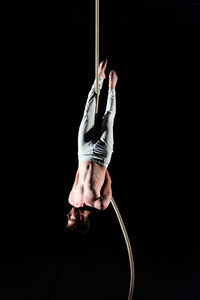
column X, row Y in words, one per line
column 106, row 191
column 74, row 186
column 76, row 179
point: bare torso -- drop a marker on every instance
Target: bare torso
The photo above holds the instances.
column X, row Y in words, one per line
column 92, row 186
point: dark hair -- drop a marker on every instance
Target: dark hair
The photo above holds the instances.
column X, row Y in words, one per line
column 80, row 226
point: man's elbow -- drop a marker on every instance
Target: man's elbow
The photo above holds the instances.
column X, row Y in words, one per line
column 105, row 203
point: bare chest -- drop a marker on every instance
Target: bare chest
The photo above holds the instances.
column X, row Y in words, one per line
column 91, row 174
column 91, row 178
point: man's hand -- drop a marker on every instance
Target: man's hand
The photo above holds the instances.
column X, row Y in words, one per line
column 102, row 68
column 112, row 80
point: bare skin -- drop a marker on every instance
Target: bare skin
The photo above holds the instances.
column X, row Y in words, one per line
column 92, row 185
column 75, row 215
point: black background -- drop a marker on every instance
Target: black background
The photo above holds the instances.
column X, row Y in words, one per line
column 47, row 68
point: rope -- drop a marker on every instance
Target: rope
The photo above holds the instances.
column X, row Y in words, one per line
column 97, row 53
column 128, row 245
column 123, row 228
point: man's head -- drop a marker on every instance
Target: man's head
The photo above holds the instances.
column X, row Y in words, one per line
column 78, row 220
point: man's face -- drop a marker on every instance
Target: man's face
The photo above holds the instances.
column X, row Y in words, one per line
column 76, row 215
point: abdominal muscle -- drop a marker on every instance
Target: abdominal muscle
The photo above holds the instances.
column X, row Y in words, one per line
column 87, row 191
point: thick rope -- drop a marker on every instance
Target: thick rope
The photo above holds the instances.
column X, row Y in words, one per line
column 128, row 244
column 97, row 53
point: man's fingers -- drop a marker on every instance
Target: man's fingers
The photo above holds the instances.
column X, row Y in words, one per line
column 103, row 63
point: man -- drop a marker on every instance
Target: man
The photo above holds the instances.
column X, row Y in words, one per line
column 92, row 185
